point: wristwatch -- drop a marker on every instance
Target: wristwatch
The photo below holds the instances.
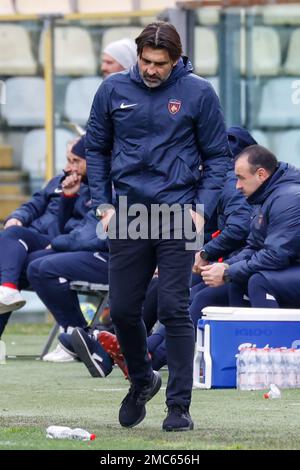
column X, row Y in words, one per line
column 203, row 255
column 226, row 275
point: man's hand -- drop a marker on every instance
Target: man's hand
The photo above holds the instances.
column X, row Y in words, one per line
column 105, row 219
column 71, row 184
column 12, row 222
column 198, row 220
column 199, row 263
column 213, row 274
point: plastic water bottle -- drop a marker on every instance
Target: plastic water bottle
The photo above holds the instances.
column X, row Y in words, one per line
column 260, row 372
column 64, row 432
column 290, row 368
column 278, row 367
column 242, row 363
column 252, row 370
column 267, row 366
column 273, row 393
column 297, row 355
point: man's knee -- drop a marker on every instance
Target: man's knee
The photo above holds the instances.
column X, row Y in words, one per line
column 13, row 232
column 255, row 281
column 123, row 312
column 36, row 270
column 32, row 272
column 171, row 308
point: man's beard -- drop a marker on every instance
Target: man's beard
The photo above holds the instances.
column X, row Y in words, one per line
column 154, row 82
column 151, row 82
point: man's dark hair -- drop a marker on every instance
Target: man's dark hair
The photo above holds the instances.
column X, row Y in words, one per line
column 259, row 157
column 160, row 35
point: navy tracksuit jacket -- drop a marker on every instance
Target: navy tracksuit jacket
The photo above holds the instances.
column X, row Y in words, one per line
column 273, row 246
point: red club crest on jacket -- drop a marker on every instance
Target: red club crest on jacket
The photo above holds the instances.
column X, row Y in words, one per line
column 174, row 106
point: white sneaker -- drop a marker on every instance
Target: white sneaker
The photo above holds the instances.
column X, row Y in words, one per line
column 10, row 299
column 58, row 355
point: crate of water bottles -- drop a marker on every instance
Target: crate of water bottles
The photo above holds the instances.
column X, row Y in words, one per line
column 220, row 332
column 258, row 368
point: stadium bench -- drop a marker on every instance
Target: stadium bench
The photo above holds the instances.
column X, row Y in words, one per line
column 87, row 288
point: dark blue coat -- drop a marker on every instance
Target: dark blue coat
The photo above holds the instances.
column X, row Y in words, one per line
column 83, row 237
column 157, row 145
column 233, row 212
column 274, row 240
column 40, row 213
column 72, row 210
column 234, row 215
column 239, row 138
column 48, row 212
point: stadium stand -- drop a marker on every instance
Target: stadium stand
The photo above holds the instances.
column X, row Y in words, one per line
column 157, row 4
column 79, row 97
column 16, row 57
column 208, row 16
column 284, row 14
column 266, row 51
column 277, row 108
column 12, row 183
column 261, row 138
column 74, row 53
column 292, row 64
column 26, row 98
column 34, row 153
column 215, row 83
column 102, row 6
column 114, row 34
column 7, row 7
column 287, row 145
column 44, row 7
column 206, row 60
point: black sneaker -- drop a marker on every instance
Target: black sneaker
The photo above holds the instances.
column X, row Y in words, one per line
column 91, row 353
column 178, row 419
column 133, row 410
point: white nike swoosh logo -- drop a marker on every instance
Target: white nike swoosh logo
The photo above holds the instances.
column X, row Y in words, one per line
column 124, row 106
column 100, row 257
column 57, row 190
column 98, row 358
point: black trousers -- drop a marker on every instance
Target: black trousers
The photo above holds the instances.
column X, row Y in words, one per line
column 132, row 264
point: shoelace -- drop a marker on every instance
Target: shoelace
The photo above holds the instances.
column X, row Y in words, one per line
column 132, row 393
column 177, row 409
column 140, row 396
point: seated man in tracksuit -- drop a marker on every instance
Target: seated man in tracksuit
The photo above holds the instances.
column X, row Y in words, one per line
column 77, row 256
column 266, row 272
column 30, row 230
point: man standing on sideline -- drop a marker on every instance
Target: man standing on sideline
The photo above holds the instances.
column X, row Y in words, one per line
column 157, row 133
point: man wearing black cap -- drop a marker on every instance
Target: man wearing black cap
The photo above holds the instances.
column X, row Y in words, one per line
column 34, row 226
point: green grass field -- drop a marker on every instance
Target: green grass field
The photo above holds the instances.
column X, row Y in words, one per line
column 34, row 395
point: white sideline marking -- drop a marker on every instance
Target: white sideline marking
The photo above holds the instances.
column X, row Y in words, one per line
column 116, row 389
column 110, row 389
